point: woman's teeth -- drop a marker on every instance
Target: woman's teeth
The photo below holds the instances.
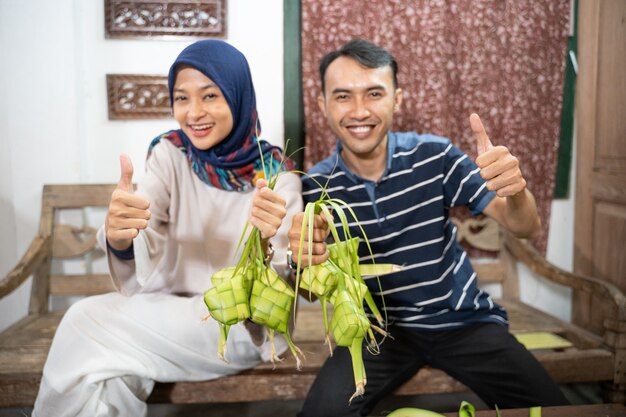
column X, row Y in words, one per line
column 200, row 127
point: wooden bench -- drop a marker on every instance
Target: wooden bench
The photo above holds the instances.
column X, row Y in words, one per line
column 62, row 260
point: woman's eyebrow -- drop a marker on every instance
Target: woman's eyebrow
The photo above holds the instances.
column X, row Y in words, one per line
column 204, row 87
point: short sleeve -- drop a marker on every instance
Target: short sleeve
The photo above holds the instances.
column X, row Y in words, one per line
column 462, row 183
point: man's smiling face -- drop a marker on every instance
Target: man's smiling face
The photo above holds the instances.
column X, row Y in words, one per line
column 359, row 104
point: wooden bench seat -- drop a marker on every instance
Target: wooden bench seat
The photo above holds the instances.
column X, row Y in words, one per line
column 24, row 346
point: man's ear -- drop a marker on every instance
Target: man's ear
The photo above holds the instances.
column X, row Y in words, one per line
column 397, row 98
column 321, row 103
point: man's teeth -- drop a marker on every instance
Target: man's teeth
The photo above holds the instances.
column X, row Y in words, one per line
column 360, row 129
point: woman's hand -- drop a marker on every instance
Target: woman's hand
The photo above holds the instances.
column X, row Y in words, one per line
column 268, row 210
column 127, row 212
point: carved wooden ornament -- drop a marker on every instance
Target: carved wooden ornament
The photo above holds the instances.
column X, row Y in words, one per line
column 138, row 97
column 165, row 19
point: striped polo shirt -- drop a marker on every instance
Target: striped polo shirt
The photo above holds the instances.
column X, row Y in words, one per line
column 405, row 216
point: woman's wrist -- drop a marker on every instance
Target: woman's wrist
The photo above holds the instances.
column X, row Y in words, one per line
column 268, row 250
column 293, row 265
column 124, row 254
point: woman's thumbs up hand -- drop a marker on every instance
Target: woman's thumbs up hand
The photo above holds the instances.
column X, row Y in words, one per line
column 127, row 212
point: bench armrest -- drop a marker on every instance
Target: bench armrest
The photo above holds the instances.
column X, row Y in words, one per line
column 36, row 254
column 527, row 254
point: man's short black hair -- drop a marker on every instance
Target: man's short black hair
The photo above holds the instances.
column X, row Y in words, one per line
column 365, row 53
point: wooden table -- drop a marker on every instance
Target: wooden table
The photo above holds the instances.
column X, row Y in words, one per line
column 594, row 410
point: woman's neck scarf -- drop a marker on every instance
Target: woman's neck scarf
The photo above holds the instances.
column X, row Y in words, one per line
column 234, row 163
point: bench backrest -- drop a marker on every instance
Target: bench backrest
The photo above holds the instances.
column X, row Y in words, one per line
column 70, row 243
column 69, row 270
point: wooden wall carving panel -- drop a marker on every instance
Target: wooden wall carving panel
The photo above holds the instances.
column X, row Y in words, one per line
column 164, row 19
column 138, row 97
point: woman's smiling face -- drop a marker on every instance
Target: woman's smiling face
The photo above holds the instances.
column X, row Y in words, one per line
column 200, row 108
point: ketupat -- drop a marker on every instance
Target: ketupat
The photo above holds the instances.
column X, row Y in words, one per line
column 350, row 325
column 252, row 290
column 321, row 280
column 345, row 255
column 466, row 409
column 227, row 301
column 413, row 412
column 271, row 300
column 347, row 251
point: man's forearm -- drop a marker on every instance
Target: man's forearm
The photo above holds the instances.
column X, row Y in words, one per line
column 520, row 216
column 516, row 213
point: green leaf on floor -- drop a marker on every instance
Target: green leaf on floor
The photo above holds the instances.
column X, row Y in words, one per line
column 467, row 410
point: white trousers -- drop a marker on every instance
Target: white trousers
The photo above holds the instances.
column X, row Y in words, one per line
column 109, row 350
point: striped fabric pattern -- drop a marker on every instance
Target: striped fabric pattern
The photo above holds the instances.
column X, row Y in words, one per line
column 405, row 216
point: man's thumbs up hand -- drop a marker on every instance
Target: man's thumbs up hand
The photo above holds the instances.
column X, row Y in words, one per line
column 128, row 213
column 483, row 143
column 497, row 165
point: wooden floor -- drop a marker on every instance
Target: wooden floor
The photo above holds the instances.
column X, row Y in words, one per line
column 580, row 394
column 440, row 402
column 596, row 410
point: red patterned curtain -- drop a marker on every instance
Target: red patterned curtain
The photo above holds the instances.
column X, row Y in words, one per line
column 502, row 59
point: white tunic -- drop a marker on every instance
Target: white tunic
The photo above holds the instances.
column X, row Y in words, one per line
column 109, row 349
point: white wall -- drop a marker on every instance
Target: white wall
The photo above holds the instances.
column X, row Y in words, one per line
column 53, row 104
column 539, row 292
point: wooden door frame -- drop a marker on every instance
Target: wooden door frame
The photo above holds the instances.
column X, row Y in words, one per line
column 586, row 98
column 293, row 98
column 600, row 173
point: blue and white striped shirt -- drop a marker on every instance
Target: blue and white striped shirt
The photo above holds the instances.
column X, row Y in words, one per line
column 405, row 216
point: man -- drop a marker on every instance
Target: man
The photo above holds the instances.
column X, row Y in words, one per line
column 401, row 187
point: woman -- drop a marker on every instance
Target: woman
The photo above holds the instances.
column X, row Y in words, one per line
column 166, row 240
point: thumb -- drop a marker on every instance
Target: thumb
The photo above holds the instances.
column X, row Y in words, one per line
column 260, row 183
column 482, row 140
column 126, row 178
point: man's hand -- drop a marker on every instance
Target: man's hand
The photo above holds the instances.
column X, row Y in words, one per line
column 127, row 213
column 497, row 165
column 319, row 251
column 268, row 210
column 518, row 211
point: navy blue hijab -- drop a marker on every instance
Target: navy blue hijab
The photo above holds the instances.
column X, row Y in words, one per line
column 233, row 163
